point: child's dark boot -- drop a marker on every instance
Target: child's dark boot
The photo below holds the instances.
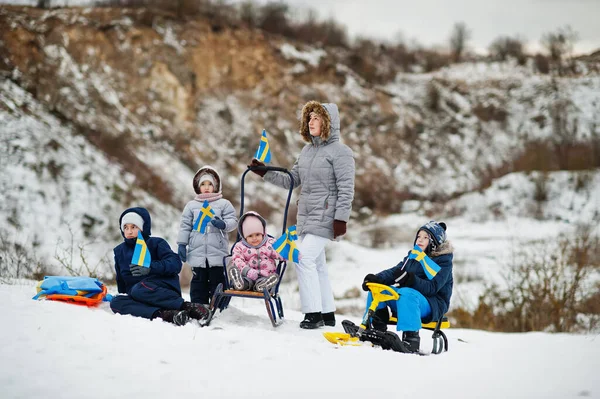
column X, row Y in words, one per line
column 196, row 311
column 380, row 319
column 177, row 317
column 329, row 319
column 312, row 321
column 412, row 340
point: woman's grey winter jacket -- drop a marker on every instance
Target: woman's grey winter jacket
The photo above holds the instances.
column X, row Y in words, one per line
column 325, row 171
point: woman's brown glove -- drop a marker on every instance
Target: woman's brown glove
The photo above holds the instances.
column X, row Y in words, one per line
column 339, row 228
column 256, row 162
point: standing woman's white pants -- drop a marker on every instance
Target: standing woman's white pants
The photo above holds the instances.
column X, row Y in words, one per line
column 313, row 279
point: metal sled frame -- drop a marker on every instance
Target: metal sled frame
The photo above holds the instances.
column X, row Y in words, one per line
column 223, row 294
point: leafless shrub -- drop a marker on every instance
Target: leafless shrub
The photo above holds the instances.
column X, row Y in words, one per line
column 402, row 56
column 540, row 194
column 43, row 3
column 542, row 64
column 432, row 100
column 432, row 60
column 382, row 237
column 505, row 47
column 362, row 59
column 565, row 129
column 549, row 288
column 73, row 257
column 559, row 45
column 327, row 33
column 18, row 260
column 595, row 141
column 370, row 193
column 490, row 112
column 249, row 13
column 274, row 18
column 459, row 37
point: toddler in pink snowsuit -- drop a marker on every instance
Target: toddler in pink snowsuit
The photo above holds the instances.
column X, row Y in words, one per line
column 254, row 260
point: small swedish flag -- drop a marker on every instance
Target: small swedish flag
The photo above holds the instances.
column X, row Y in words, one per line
column 141, row 256
column 429, row 266
column 286, row 245
column 204, row 217
column 263, row 153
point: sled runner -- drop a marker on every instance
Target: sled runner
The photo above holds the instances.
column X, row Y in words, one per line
column 224, row 293
column 357, row 335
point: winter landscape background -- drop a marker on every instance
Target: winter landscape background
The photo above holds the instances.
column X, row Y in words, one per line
column 110, row 107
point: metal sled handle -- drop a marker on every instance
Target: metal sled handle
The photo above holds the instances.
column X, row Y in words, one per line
column 289, row 196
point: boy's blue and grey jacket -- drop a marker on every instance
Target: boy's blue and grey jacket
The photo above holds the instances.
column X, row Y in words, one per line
column 214, row 244
column 437, row 290
column 165, row 265
column 325, row 171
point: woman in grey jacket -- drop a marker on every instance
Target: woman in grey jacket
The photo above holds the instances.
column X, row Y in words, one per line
column 325, row 172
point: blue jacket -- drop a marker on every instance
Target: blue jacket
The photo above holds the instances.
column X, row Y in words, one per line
column 165, row 265
column 437, row 290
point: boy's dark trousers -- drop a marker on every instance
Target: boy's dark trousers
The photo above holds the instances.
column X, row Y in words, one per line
column 204, row 283
column 145, row 298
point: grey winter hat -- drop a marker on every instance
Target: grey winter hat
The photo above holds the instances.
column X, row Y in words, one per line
column 206, row 177
column 132, row 218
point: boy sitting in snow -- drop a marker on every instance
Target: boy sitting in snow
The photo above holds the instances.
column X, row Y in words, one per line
column 151, row 291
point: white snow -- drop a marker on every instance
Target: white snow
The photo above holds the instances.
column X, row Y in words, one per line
column 52, row 349
column 312, row 57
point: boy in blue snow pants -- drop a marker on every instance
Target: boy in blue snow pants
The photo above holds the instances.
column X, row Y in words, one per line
column 424, row 292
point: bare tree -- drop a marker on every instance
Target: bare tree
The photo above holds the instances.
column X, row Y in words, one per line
column 275, row 18
column 43, row 4
column 504, row 47
column 559, row 45
column 458, row 40
column 565, row 125
column 249, row 13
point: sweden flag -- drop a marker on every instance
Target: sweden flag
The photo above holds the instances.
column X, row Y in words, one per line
column 263, row 153
column 141, row 256
column 204, row 217
column 429, row 266
column 286, row 245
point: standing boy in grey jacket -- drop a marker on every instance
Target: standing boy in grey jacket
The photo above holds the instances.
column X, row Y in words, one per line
column 204, row 252
column 325, row 171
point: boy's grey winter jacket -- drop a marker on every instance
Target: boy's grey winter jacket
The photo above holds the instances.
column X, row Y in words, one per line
column 214, row 244
column 325, row 170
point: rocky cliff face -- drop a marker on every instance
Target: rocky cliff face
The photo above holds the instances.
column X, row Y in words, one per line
column 157, row 98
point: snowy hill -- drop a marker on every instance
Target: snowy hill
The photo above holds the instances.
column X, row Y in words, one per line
column 59, row 350
column 127, row 115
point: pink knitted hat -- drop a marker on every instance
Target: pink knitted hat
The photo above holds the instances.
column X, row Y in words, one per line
column 252, row 225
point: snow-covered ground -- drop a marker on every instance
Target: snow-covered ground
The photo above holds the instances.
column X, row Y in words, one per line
column 62, row 350
column 51, row 349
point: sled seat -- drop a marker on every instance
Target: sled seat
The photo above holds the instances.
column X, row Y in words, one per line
column 273, row 304
column 432, row 325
